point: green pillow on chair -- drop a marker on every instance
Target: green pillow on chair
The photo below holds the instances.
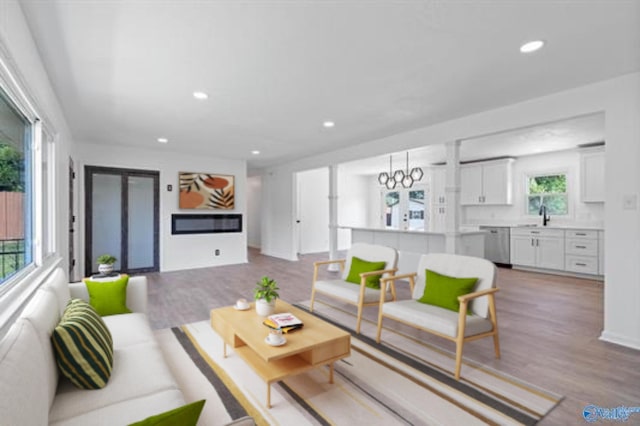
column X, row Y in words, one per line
column 109, row 297
column 187, row 415
column 359, row 266
column 442, row 290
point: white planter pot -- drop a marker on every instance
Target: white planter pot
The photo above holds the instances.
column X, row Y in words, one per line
column 264, row 308
column 105, row 269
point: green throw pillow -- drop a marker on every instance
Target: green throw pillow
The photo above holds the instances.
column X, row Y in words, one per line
column 83, row 346
column 109, row 297
column 442, row 290
column 359, row 266
column 187, row 415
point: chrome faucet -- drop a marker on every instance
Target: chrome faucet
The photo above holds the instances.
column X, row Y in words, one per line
column 543, row 212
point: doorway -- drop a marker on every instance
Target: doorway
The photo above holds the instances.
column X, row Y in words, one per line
column 405, row 209
column 122, row 218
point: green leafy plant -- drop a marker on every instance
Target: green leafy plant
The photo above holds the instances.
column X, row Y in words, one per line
column 106, row 259
column 266, row 289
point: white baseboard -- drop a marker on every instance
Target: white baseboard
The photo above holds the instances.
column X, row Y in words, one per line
column 607, row 336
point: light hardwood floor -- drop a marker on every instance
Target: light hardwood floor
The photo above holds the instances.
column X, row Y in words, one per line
column 549, row 326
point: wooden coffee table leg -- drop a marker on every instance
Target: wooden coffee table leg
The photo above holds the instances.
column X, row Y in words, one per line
column 268, row 395
column 331, row 373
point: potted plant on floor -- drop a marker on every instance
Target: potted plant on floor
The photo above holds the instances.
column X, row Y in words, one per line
column 266, row 293
column 105, row 263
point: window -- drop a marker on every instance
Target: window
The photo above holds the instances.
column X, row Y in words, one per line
column 549, row 190
column 15, row 190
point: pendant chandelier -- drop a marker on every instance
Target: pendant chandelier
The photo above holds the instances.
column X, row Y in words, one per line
column 404, row 177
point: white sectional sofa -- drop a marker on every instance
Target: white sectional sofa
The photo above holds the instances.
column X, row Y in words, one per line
column 33, row 393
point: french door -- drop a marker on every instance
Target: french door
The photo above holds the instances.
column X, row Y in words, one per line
column 122, row 218
column 405, row 209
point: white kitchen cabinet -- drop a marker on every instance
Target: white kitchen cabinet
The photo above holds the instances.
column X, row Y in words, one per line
column 592, row 188
column 538, row 248
column 581, row 251
column 438, row 185
column 438, row 218
column 488, row 182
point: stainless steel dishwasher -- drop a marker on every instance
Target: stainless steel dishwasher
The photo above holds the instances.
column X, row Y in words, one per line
column 496, row 244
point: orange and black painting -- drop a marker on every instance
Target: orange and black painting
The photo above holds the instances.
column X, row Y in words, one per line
column 206, row 191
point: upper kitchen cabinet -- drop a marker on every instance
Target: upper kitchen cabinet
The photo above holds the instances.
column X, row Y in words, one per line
column 438, row 184
column 487, row 182
column 592, row 176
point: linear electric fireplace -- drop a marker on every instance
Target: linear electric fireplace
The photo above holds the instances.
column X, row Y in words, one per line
column 205, row 223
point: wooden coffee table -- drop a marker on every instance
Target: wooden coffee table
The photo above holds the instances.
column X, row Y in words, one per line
column 317, row 343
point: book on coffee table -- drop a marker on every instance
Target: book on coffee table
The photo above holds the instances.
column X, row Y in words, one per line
column 287, row 322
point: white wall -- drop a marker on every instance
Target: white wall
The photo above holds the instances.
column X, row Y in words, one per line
column 562, row 162
column 353, row 199
column 313, row 210
column 618, row 98
column 254, row 209
column 178, row 251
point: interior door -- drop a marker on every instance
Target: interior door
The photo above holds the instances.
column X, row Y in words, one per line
column 122, row 218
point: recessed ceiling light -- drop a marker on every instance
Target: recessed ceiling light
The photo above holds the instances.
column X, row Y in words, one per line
column 531, row 46
column 200, row 95
column 163, row 140
column 255, row 152
column 328, row 124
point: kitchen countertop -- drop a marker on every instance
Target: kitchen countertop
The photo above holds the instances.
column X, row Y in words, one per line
column 462, row 232
column 536, row 225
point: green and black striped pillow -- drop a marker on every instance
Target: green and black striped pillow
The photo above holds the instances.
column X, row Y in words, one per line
column 83, row 346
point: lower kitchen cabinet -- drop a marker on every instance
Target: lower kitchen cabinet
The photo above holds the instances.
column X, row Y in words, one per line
column 538, row 248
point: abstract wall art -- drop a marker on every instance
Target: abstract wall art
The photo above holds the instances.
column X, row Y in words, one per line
column 206, row 191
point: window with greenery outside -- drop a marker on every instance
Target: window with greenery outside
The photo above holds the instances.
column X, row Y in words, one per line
column 548, row 190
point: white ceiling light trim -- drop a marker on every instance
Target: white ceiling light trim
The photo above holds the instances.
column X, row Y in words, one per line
column 200, row 95
column 255, row 152
column 163, row 140
column 532, row 46
column 329, row 124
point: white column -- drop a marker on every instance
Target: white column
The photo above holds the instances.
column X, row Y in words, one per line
column 333, row 216
column 453, row 239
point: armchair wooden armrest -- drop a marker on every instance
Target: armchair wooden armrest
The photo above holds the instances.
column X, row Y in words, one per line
column 327, row 262
column 372, row 273
column 467, row 297
column 399, row 277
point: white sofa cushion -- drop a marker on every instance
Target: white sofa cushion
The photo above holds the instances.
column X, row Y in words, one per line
column 23, row 368
column 127, row 412
column 434, row 318
column 129, row 329
column 138, row 370
column 349, row 291
column 44, row 319
column 58, row 285
column 136, row 293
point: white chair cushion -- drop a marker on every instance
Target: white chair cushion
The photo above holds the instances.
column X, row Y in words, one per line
column 349, row 291
column 23, row 398
column 458, row 266
column 434, row 318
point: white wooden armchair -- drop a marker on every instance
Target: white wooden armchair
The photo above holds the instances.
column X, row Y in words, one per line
column 458, row 326
column 357, row 294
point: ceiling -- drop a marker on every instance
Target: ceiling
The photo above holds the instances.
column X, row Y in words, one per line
column 125, row 71
column 540, row 139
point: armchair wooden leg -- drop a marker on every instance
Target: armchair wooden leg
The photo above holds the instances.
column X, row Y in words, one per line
column 379, row 332
column 359, row 320
column 313, row 297
column 494, row 320
column 496, row 344
column 459, row 345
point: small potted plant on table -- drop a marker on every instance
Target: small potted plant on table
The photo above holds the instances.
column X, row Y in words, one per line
column 266, row 293
column 105, row 263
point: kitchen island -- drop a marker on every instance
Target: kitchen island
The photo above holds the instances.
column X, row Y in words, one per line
column 412, row 244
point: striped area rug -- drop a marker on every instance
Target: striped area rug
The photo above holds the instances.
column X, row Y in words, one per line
column 399, row 382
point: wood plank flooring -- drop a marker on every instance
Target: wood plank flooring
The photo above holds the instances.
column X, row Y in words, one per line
column 549, row 326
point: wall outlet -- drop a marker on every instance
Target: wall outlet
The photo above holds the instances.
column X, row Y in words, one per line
column 630, row 202
column 217, row 252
